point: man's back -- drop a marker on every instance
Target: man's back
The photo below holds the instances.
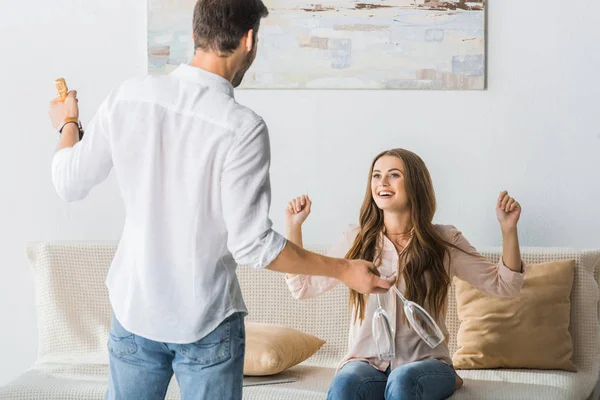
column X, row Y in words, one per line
column 176, row 143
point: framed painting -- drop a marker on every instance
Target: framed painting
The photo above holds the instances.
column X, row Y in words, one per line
column 343, row 44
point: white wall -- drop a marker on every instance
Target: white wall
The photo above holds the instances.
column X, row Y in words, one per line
column 534, row 132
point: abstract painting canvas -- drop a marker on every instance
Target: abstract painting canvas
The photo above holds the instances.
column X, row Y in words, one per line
column 343, row 44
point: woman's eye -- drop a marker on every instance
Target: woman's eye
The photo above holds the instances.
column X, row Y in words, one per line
column 376, row 176
column 395, row 176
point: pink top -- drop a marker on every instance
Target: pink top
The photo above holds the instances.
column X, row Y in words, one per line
column 494, row 279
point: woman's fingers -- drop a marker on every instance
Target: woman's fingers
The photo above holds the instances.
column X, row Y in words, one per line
column 515, row 206
column 501, row 197
column 509, row 204
column 299, row 204
column 505, row 201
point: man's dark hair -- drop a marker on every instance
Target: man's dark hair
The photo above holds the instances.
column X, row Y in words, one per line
column 219, row 25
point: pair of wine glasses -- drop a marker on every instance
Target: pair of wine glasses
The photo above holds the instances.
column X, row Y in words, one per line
column 419, row 319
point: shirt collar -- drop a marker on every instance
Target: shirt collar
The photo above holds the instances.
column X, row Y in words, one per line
column 387, row 244
column 206, row 78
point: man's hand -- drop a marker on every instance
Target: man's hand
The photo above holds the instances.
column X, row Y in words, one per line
column 61, row 111
column 363, row 277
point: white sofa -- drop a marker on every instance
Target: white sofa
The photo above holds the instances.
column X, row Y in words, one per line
column 74, row 314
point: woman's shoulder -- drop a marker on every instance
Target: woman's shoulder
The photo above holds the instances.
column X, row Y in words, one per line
column 448, row 232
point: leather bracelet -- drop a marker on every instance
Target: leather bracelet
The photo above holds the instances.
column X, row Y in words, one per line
column 67, row 123
column 73, row 121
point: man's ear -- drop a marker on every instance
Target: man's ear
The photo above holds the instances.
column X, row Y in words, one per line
column 249, row 42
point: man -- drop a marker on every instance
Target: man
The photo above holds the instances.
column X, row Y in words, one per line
column 193, row 169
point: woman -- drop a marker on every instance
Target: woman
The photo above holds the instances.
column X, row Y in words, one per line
column 396, row 232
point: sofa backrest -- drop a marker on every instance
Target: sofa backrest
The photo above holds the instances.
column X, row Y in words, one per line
column 74, row 311
column 328, row 316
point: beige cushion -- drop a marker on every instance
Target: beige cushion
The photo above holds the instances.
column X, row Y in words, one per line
column 528, row 331
column 272, row 348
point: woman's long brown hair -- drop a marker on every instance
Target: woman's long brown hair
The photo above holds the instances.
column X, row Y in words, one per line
column 423, row 256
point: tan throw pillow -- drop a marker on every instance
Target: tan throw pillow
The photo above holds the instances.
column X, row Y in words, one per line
column 528, row 331
column 272, row 348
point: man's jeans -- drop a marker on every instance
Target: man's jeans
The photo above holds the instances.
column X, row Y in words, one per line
column 211, row 368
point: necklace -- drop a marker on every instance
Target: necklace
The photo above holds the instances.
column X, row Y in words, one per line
column 407, row 233
column 398, row 241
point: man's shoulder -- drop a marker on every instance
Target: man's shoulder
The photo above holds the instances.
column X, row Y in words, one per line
column 228, row 113
column 142, row 83
column 132, row 87
column 214, row 106
column 246, row 116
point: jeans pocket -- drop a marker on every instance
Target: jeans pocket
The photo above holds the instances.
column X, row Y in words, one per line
column 212, row 349
column 238, row 326
column 121, row 342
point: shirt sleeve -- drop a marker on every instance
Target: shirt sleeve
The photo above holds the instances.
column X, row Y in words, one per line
column 307, row 286
column 246, row 199
column 494, row 279
column 76, row 170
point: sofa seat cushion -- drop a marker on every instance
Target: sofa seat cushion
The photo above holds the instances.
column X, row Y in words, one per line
column 89, row 382
column 521, row 384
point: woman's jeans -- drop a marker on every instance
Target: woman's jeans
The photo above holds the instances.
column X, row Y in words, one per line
column 427, row 380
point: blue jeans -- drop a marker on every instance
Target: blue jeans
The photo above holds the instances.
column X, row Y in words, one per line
column 427, row 379
column 211, row 368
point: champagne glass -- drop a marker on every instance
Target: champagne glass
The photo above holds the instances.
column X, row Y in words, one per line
column 421, row 322
column 383, row 333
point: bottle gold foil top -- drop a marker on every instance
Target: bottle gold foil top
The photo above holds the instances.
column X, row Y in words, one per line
column 61, row 87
